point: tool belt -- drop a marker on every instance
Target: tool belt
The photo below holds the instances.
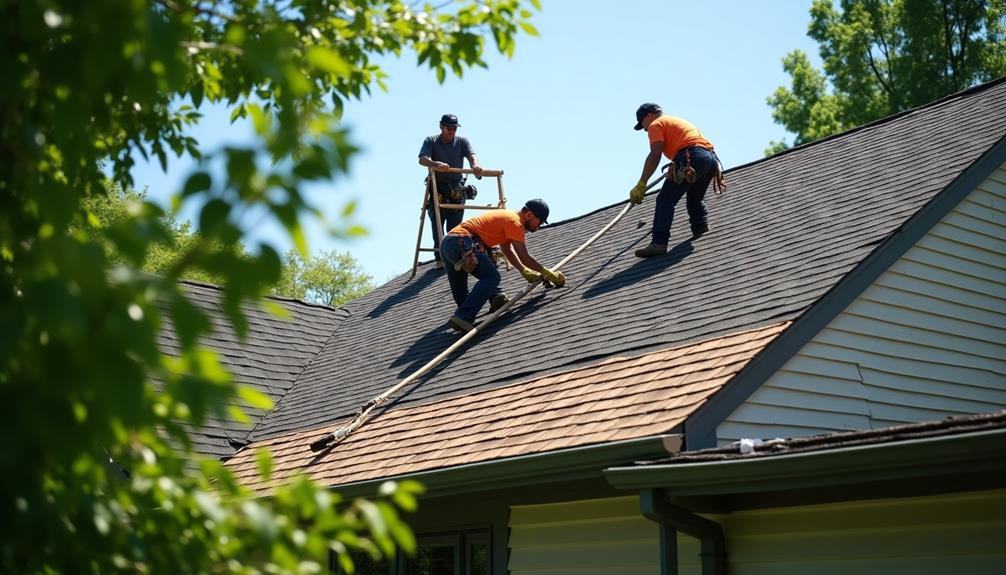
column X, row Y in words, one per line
column 469, row 258
column 456, row 192
column 684, row 173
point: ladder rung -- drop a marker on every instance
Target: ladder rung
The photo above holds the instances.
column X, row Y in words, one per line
column 469, row 207
column 485, row 173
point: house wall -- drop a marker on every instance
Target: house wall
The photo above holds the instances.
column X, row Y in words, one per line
column 596, row 537
column 955, row 533
column 926, row 340
column 951, row 534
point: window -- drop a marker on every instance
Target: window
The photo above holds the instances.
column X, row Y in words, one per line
column 462, row 553
column 465, row 553
column 363, row 563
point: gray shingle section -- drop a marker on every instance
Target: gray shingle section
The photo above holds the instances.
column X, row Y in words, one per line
column 789, row 228
column 270, row 359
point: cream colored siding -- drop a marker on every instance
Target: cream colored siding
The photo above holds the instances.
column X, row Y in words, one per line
column 595, row 537
column 926, row 340
column 961, row 533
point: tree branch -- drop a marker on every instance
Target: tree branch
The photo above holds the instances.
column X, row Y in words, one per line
column 878, row 74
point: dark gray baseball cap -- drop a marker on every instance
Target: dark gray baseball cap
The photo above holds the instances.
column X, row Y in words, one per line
column 643, row 110
column 449, row 120
column 539, row 208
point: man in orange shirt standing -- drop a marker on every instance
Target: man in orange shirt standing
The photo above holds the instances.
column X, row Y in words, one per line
column 465, row 250
column 695, row 165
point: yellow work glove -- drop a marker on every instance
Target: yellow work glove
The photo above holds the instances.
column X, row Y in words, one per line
column 530, row 275
column 554, row 278
column 636, row 193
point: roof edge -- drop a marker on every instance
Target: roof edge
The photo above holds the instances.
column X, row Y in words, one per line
column 266, row 296
column 877, row 122
column 551, row 466
column 930, row 457
column 701, row 426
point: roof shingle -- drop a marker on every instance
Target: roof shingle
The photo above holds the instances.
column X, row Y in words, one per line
column 789, row 228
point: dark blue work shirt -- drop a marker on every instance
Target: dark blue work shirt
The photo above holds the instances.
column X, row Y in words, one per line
column 453, row 154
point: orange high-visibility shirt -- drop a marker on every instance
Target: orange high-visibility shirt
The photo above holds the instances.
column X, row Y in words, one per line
column 675, row 133
column 494, row 227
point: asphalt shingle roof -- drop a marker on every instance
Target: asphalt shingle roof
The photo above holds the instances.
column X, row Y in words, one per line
column 270, row 359
column 787, row 230
column 619, row 399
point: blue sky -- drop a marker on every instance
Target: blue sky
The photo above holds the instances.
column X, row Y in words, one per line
column 557, row 117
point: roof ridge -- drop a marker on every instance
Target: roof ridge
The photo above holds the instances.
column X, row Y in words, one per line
column 886, row 119
column 879, row 121
column 266, row 296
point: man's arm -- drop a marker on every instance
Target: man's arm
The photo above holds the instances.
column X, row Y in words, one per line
column 425, row 156
column 530, row 268
column 431, row 163
column 652, row 159
column 474, row 163
column 516, row 254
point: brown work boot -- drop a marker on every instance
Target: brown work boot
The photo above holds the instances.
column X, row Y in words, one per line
column 459, row 324
column 651, row 250
column 499, row 300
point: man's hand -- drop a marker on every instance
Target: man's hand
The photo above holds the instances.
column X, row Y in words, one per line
column 636, row 193
column 530, row 275
column 477, row 170
column 554, row 278
column 438, row 166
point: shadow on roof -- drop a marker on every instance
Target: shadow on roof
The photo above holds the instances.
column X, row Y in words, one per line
column 640, row 270
column 436, row 340
column 412, row 288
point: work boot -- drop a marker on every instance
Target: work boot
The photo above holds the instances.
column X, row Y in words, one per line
column 439, row 265
column 459, row 324
column 499, row 300
column 699, row 230
column 651, row 250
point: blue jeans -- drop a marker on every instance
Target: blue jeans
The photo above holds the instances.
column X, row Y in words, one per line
column 488, row 284
column 449, row 218
column 704, row 163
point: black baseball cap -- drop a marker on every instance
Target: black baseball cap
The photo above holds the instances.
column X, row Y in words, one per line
column 647, row 108
column 539, row 208
column 449, row 120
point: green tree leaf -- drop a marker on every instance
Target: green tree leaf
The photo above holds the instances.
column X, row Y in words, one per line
column 105, row 369
column 885, row 56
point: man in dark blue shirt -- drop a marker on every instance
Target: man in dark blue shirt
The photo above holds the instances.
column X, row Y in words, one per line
column 447, row 150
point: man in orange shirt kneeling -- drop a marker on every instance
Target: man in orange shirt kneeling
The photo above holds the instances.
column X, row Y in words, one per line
column 465, row 249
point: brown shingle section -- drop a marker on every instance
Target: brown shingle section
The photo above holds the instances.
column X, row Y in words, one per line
column 618, row 399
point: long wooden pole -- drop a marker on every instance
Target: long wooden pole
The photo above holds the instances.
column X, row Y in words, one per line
column 344, row 431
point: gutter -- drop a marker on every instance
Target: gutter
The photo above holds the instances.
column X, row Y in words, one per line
column 553, row 466
column 930, row 457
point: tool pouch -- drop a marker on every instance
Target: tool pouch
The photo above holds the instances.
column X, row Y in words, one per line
column 469, row 261
column 684, row 174
column 469, row 257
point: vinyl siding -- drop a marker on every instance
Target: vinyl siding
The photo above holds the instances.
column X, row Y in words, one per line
column 594, row 537
column 959, row 533
column 946, row 534
column 926, row 340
